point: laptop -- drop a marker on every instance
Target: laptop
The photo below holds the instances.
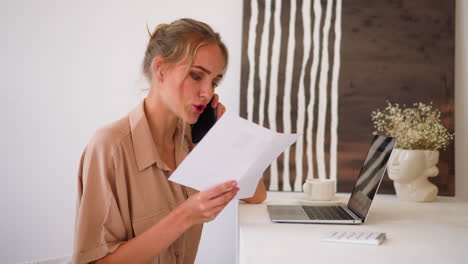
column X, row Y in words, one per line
column 357, row 209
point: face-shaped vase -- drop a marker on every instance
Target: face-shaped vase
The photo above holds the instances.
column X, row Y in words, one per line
column 407, row 165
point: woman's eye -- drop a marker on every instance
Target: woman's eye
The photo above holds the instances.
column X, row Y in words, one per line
column 214, row 85
column 195, row 76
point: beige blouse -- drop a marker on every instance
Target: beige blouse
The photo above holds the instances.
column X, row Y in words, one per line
column 123, row 189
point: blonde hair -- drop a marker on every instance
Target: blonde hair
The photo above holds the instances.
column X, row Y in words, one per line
column 178, row 41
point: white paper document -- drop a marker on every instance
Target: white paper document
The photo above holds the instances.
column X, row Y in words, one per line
column 233, row 149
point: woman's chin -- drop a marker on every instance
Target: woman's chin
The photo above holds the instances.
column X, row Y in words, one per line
column 191, row 119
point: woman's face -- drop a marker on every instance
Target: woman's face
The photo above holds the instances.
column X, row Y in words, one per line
column 187, row 96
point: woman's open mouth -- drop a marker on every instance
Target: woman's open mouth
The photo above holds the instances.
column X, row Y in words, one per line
column 199, row 108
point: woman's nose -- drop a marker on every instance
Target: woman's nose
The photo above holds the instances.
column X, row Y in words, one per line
column 206, row 91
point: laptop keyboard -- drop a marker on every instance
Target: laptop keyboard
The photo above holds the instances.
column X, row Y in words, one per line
column 327, row 213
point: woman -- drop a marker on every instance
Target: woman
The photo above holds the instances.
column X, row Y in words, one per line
column 127, row 210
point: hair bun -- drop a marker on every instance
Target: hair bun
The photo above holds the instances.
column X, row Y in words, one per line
column 179, row 40
column 157, row 30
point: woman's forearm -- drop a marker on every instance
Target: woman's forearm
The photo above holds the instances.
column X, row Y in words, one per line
column 260, row 194
column 197, row 209
column 148, row 245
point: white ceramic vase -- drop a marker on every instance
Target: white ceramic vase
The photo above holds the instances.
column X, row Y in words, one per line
column 409, row 170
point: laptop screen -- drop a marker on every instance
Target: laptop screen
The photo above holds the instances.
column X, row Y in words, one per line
column 371, row 175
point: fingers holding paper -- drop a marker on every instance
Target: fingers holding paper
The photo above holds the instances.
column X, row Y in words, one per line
column 205, row 206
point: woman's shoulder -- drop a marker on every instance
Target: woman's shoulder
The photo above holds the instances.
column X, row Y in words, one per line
column 98, row 160
column 109, row 136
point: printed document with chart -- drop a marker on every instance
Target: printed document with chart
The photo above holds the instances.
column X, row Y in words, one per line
column 233, row 149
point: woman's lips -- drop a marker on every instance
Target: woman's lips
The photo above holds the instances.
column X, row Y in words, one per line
column 199, row 108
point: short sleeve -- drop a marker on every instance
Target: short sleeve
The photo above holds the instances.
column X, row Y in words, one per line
column 99, row 228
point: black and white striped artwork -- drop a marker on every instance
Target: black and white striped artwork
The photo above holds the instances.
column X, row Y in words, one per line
column 319, row 67
column 292, row 72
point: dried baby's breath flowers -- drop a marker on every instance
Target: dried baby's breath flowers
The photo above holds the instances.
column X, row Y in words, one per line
column 417, row 127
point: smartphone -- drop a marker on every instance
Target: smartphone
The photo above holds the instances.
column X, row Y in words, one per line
column 206, row 120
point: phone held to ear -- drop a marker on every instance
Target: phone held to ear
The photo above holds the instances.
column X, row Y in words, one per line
column 206, row 120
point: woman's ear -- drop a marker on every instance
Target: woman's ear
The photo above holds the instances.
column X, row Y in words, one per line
column 157, row 69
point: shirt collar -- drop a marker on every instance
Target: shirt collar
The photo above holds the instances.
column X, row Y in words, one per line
column 145, row 150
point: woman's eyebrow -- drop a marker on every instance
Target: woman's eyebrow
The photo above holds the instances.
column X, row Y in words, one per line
column 206, row 70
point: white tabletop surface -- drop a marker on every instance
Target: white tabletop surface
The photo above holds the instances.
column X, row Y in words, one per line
column 434, row 232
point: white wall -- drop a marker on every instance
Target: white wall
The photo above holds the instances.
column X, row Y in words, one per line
column 68, row 67
column 461, row 99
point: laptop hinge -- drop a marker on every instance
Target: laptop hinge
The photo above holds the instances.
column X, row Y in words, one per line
column 356, row 213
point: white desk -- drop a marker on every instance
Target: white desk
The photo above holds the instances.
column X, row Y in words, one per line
column 434, row 232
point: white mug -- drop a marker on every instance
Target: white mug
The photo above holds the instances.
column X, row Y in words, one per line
column 320, row 190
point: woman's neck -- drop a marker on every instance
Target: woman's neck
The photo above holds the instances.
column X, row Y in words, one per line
column 161, row 120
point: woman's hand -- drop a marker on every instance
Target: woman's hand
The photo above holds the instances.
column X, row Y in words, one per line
column 219, row 107
column 205, row 206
